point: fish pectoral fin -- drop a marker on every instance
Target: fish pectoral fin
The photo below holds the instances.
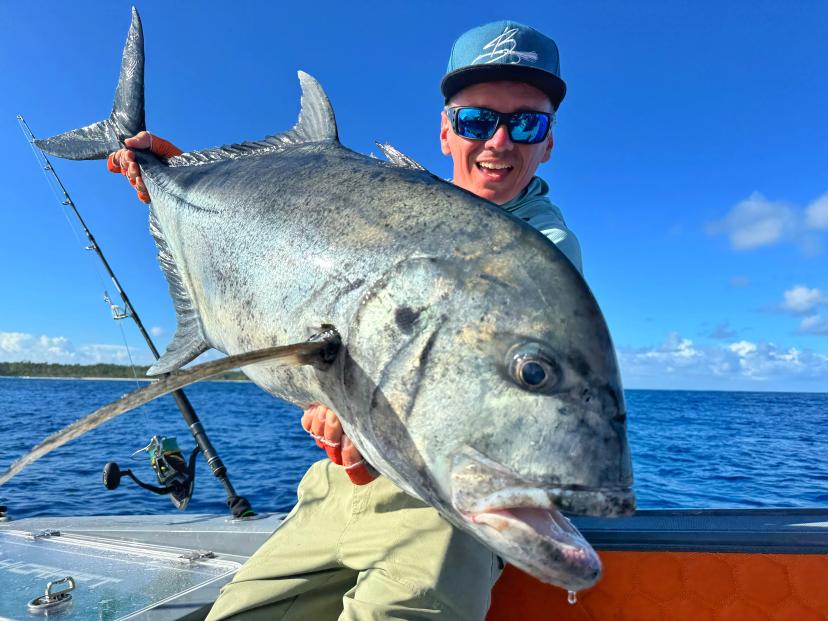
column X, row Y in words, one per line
column 319, row 351
column 397, row 158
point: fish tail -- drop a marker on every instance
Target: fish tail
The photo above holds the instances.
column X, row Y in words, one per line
column 96, row 141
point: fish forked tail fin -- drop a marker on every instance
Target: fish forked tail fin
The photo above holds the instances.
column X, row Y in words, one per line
column 96, row 141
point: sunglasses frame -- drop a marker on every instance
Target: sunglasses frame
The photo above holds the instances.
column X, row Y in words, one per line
column 503, row 118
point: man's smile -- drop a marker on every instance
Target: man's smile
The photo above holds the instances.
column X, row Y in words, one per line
column 494, row 170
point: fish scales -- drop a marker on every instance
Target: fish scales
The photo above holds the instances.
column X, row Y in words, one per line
column 475, row 369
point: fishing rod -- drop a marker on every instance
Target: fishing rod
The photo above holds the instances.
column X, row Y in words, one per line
column 176, row 475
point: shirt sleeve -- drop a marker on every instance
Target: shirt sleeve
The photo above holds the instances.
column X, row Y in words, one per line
column 562, row 237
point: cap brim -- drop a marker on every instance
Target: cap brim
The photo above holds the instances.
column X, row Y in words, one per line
column 552, row 85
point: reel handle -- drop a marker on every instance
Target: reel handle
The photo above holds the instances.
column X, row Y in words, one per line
column 112, row 475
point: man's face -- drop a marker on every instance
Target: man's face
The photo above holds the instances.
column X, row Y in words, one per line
column 496, row 169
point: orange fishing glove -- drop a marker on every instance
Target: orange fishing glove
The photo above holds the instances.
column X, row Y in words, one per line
column 324, row 426
column 123, row 160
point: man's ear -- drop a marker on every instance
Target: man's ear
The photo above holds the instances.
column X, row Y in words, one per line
column 550, row 142
column 445, row 127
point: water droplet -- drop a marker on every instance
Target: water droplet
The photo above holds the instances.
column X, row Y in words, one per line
column 572, row 597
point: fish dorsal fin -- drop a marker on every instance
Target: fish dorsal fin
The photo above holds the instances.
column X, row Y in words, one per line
column 189, row 341
column 399, row 159
column 316, row 124
column 316, row 118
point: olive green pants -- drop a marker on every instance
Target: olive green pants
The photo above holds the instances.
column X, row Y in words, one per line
column 353, row 552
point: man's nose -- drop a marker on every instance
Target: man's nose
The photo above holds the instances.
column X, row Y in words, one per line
column 500, row 141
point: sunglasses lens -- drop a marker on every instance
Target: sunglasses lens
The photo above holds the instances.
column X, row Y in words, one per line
column 475, row 123
column 528, row 127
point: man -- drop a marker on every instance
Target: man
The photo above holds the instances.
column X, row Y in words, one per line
column 355, row 546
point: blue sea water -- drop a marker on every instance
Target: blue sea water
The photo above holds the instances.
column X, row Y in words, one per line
column 690, row 449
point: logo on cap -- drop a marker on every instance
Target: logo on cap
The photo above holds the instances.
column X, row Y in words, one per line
column 502, row 50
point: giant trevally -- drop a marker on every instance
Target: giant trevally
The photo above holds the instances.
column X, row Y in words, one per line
column 475, row 368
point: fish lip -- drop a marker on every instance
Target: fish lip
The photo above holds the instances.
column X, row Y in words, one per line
column 604, row 501
column 502, row 488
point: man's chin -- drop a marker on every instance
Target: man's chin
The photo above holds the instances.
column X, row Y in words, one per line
column 499, row 192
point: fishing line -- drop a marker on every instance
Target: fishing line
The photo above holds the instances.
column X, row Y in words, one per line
column 238, row 505
column 63, row 199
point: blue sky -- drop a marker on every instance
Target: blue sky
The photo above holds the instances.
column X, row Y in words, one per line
column 690, row 158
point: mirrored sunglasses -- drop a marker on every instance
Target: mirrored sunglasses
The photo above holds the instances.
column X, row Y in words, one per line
column 481, row 124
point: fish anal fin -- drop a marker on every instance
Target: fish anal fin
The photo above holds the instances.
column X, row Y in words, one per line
column 189, row 341
column 187, row 345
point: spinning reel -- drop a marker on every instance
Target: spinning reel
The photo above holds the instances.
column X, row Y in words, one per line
column 175, row 475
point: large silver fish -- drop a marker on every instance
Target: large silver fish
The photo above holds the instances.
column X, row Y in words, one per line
column 476, row 370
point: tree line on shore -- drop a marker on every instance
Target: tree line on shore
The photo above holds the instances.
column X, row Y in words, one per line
column 50, row 369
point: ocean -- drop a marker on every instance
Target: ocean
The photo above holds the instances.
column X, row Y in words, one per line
column 690, row 449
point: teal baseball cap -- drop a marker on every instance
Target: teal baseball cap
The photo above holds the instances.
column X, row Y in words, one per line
column 505, row 50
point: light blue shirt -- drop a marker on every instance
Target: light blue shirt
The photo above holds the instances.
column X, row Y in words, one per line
column 534, row 207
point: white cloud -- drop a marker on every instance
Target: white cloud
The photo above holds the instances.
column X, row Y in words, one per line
column 801, row 299
column 21, row 346
column 742, row 348
column 741, row 365
column 680, row 348
column 816, row 214
column 756, row 222
column 12, row 341
column 814, row 324
column 157, row 331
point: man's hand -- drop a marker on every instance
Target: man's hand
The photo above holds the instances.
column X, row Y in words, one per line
column 123, row 161
column 323, row 424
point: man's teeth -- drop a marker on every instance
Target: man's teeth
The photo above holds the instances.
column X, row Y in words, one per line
column 494, row 165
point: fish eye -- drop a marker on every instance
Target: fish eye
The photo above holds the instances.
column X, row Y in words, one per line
column 533, row 371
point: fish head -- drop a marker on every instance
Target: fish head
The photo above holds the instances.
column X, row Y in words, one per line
column 495, row 383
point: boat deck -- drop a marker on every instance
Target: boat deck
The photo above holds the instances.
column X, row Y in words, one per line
column 171, row 567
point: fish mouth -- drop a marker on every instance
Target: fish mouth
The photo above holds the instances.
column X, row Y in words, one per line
column 529, row 530
column 523, row 520
column 560, row 553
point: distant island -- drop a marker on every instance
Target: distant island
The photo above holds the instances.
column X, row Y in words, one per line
column 89, row 371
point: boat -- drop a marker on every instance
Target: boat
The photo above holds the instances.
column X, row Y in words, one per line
column 658, row 564
column 683, row 565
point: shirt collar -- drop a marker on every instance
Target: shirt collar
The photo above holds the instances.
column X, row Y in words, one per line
column 536, row 188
